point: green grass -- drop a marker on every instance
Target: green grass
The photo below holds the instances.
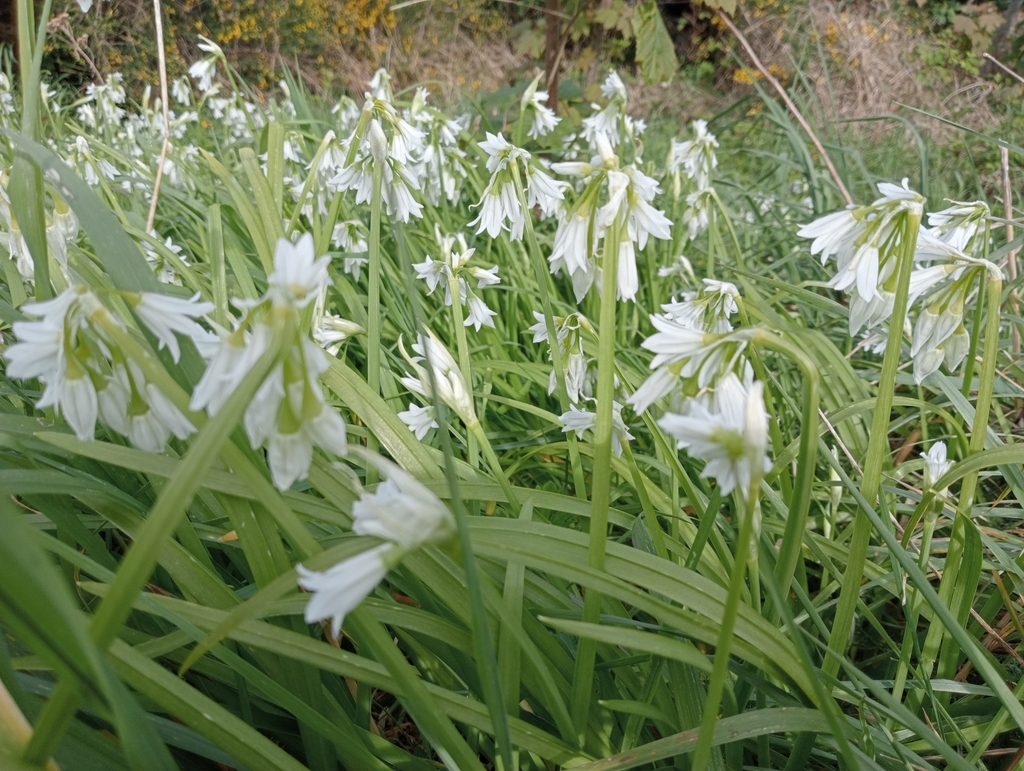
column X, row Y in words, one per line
column 593, row 611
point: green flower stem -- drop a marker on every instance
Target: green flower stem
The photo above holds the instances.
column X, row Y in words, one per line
column 914, row 599
column 988, row 375
column 160, row 524
column 800, row 501
column 583, row 677
column 720, row 669
column 732, row 231
column 972, row 349
column 541, row 275
column 475, row 429
column 878, row 450
column 472, row 451
column 373, row 308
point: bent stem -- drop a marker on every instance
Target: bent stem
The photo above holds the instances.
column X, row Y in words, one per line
column 800, row 500
column 878, row 446
column 583, row 677
column 989, row 354
column 472, row 452
column 541, row 276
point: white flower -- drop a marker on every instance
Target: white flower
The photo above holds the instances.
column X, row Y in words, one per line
column 958, row 225
column 229, row 363
column 683, row 353
column 401, row 510
column 74, row 395
column 181, row 92
column 500, row 203
column 935, row 464
column 348, row 237
column 696, row 157
column 864, row 241
column 479, row 314
column 333, row 331
column 447, row 378
column 166, row 315
column 542, row 191
column 84, row 5
column 708, row 309
column 544, row 118
column 339, row 590
column 289, row 416
column 581, row 421
column 419, row 420
column 298, row 277
column 729, row 440
column 150, row 429
column 354, row 265
column 697, row 215
column 203, row 71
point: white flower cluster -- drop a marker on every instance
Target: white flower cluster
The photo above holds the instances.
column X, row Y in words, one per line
column 582, row 226
column 500, row 207
column 865, row 241
column 453, row 266
column 86, row 376
column 695, row 159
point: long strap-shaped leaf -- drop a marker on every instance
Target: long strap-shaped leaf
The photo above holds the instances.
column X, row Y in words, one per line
column 122, row 259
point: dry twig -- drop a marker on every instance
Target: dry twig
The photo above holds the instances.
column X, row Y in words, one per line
column 162, row 62
column 789, row 103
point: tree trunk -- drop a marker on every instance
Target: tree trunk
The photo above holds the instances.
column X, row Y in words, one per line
column 552, row 49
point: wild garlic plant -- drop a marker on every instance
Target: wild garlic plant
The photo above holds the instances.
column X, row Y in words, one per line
column 410, row 438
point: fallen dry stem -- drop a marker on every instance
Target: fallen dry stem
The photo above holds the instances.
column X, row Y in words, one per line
column 789, row 103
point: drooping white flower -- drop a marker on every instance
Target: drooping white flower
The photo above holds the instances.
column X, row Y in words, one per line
column 707, row 309
column 730, row 440
column 181, row 92
column 582, row 421
column 959, row 224
column 165, row 315
column 569, row 331
column 478, row 314
column 340, row 589
column 401, row 510
column 403, row 513
column 446, row 376
column 419, row 420
column 333, row 330
column 289, row 416
column 696, row 157
column 203, row 71
column 544, row 118
column 229, row 363
column 935, row 464
column 864, row 241
column 683, row 353
column 152, row 418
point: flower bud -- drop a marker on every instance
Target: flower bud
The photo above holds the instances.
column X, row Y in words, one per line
column 378, row 142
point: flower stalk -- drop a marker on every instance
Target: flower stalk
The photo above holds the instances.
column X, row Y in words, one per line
column 541, row 276
column 982, row 407
column 878, row 448
column 587, row 649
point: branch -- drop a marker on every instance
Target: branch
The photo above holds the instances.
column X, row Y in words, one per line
column 789, row 103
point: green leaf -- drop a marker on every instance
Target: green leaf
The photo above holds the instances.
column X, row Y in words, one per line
column 122, row 259
column 654, row 48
